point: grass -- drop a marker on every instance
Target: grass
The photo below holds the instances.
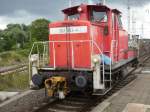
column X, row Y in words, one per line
column 13, row 57
column 14, row 82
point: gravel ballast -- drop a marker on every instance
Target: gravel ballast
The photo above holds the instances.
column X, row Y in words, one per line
column 24, row 102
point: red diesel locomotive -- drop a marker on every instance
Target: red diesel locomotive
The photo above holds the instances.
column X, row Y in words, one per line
column 87, row 51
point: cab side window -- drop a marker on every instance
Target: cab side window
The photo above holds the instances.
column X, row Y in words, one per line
column 119, row 21
column 74, row 16
column 98, row 16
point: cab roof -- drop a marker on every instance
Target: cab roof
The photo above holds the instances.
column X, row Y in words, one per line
column 98, row 6
column 116, row 11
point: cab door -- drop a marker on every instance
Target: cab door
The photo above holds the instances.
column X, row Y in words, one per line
column 71, row 48
column 58, row 47
column 79, row 51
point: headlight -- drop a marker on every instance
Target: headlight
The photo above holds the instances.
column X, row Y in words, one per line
column 34, row 57
column 79, row 9
column 95, row 60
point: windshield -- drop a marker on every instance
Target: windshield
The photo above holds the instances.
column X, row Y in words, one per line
column 74, row 17
column 98, row 16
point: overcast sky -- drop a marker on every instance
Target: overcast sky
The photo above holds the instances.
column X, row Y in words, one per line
column 25, row 11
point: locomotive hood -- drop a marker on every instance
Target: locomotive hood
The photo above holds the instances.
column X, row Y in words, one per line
column 71, row 39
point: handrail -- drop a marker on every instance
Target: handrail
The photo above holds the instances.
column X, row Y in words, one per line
column 72, row 42
column 41, row 42
column 102, row 60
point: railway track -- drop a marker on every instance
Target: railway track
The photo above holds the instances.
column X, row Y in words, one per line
column 143, row 59
column 80, row 103
column 13, row 69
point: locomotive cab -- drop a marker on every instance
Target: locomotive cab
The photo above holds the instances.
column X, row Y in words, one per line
column 85, row 52
column 92, row 13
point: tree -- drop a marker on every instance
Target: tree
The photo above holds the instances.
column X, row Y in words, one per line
column 15, row 36
column 39, row 30
column 20, row 36
column 2, row 42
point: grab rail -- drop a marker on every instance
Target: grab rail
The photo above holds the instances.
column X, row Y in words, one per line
column 93, row 44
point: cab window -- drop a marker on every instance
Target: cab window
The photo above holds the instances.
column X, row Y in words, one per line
column 119, row 21
column 99, row 16
column 74, row 16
